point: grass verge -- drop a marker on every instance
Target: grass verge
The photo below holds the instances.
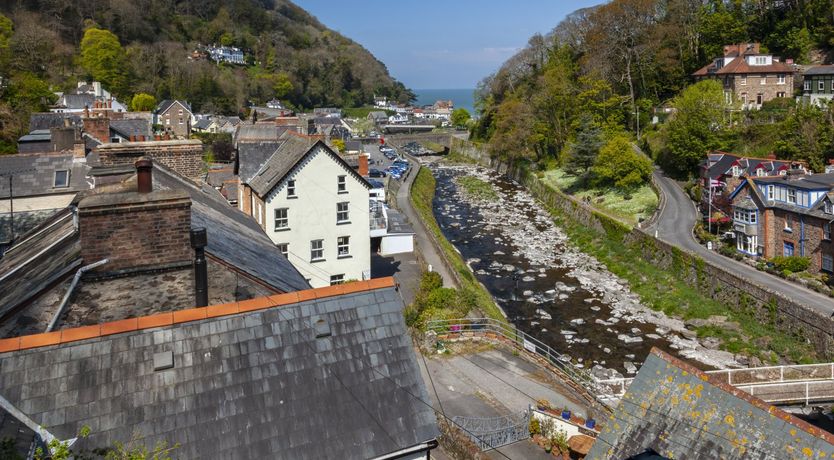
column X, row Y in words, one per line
column 630, row 207
column 422, row 195
column 663, row 290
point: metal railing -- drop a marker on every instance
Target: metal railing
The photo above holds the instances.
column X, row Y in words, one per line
column 463, row 328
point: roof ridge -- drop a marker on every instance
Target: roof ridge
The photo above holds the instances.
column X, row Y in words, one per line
column 75, row 334
column 758, row 403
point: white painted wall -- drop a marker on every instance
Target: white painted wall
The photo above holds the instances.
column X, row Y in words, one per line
column 396, row 244
column 312, row 216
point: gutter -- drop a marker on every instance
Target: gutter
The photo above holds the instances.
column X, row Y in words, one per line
column 423, row 447
column 67, row 295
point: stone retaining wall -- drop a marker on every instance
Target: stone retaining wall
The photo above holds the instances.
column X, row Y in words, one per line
column 729, row 288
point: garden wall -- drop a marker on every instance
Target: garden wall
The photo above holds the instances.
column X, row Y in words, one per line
column 729, row 288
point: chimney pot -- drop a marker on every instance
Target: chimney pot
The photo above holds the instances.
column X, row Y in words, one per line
column 144, row 175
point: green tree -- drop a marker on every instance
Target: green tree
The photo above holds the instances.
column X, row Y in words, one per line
column 694, row 129
column 339, row 144
column 460, row 117
column 582, row 153
column 6, row 32
column 620, row 165
column 142, row 102
column 104, row 59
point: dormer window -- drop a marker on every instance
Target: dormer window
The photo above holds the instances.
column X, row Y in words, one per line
column 736, row 171
column 760, row 60
column 760, row 172
column 792, row 196
column 61, row 179
column 827, row 207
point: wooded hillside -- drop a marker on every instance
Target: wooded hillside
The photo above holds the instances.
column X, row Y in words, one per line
column 618, row 61
column 291, row 55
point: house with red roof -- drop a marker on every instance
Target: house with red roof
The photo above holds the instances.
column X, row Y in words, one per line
column 750, row 77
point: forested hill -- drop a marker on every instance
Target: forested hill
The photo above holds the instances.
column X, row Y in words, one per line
column 290, row 54
column 619, row 60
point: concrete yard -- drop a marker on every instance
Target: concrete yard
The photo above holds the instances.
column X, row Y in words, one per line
column 487, row 381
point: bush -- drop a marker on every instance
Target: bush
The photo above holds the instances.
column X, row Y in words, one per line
column 534, row 427
column 790, row 264
column 619, row 165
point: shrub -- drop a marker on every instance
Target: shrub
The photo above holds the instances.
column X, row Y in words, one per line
column 790, row 264
column 534, row 427
column 559, row 440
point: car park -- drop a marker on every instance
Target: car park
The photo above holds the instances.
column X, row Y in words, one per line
column 373, row 172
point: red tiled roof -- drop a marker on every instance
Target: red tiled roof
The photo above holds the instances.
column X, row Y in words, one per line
column 740, row 66
column 191, row 314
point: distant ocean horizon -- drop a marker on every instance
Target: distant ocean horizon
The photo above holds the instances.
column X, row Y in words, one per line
column 460, row 97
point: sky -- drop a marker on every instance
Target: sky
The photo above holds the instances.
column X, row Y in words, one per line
column 442, row 44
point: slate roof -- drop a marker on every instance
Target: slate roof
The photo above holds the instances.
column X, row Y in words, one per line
column 46, row 120
column 131, row 127
column 76, row 101
column 37, row 175
column 202, row 123
column 804, row 181
column 353, row 146
column 739, row 65
column 232, row 236
column 719, row 164
column 294, row 149
column 678, row 411
column 820, row 70
column 251, row 156
column 167, row 103
column 249, row 380
column 397, row 223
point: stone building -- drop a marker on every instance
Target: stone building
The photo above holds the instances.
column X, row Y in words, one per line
column 750, row 77
column 786, row 215
column 818, row 85
column 176, row 117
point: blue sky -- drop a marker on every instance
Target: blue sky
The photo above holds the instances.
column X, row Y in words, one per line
column 449, row 44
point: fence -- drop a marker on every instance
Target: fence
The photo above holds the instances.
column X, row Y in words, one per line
column 493, row 432
column 468, row 328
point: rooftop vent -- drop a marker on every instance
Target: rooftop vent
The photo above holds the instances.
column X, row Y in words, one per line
column 163, row 360
column 322, row 328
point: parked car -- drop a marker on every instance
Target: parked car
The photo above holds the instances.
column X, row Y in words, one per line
column 373, row 172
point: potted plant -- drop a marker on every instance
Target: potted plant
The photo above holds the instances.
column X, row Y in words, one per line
column 534, row 427
column 559, row 441
column 543, row 404
column 547, row 446
column 566, row 414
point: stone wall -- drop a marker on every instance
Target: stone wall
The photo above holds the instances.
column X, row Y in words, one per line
column 729, row 288
column 184, row 157
column 136, row 232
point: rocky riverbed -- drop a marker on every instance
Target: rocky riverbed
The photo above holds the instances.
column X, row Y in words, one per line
column 550, row 289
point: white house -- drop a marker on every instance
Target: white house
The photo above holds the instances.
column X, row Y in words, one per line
column 314, row 207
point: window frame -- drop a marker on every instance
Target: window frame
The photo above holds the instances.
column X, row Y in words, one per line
column 763, row 80
column 821, row 85
column 284, row 248
column 291, row 193
column 66, row 178
column 337, row 279
column 807, row 85
column 826, row 231
column 785, row 246
column 788, row 223
column 791, row 196
column 340, row 213
column 341, row 184
column 285, row 219
column 830, row 265
column 743, row 80
column 317, row 250
column 770, row 194
column 780, row 79
column 343, row 242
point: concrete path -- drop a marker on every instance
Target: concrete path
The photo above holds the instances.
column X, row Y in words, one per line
column 675, row 224
column 493, row 383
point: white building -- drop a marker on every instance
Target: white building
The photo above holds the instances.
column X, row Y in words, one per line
column 314, row 207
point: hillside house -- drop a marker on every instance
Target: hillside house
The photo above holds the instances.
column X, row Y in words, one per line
column 175, row 117
column 788, row 215
column 226, row 54
column 749, row 77
column 311, row 203
column 818, row 85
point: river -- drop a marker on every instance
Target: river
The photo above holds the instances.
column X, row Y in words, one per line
column 548, row 288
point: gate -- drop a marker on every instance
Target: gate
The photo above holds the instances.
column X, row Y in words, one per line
column 493, row 432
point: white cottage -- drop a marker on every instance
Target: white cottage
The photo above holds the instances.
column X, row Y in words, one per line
column 314, row 207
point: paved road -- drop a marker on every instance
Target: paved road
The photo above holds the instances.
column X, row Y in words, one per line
column 422, row 239
column 675, row 224
column 492, row 383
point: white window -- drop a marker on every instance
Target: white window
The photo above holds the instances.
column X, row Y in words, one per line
column 337, row 279
column 260, row 220
column 744, row 99
column 788, row 222
column 761, row 60
column 821, row 85
column 743, row 80
column 181, row 122
column 168, row 121
column 791, row 196
column 807, row 85
column 291, row 189
column 827, row 207
column 780, row 94
column 342, row 215
column 343, row 246
column 826, row 231
column 832, row 85
column 770, row 192
column 61, row 178
column 342, row 184
column 736, row 171
column 284, row 248
column 780, row 79
column 763, row 81
column 760, row 172
column 180, row 113
column 827, row 263
column 316, row 250
column 746, row 243
column 282, row 220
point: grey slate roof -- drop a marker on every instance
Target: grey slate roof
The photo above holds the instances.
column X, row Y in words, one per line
column 76, row 101
column 397, row 223
column 38, row 174
column 131, row 127
column 258, row 132
column 678, row 412
column 46, row 120
column 167, row 103
column 820, row 70
column 251, row 156
column 202, row 123
column 234, row 237
column 293, row 151
column 247, row 386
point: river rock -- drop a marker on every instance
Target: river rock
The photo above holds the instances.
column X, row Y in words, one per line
column 527, row 293
column 528, row 279
column 566, row 332
column 498, row 253
column 577, row 321
column 629, row 339
column 543, row 314
column 630, row 367
column 711, row 343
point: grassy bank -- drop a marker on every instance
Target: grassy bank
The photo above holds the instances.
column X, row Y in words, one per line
column 630, row 207
column 664, row 290
column 477, row 188
column 422, row 194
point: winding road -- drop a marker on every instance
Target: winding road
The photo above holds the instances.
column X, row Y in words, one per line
column 675, row 224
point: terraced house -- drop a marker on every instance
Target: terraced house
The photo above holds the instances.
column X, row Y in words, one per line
column 788, row 215
column 749, row 76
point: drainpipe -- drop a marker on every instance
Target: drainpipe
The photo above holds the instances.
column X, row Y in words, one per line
column 199, row 242
column 801, row 235
column 75, row 281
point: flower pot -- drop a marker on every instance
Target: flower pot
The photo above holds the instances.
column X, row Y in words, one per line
column 590, row 423
column 566, row 414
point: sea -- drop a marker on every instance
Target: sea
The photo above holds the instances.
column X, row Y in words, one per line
column 460, row 97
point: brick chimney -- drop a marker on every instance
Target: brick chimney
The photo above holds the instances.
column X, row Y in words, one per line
column 97, row 126
column 363, row 165
column 138, row 231
column 771, row 156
